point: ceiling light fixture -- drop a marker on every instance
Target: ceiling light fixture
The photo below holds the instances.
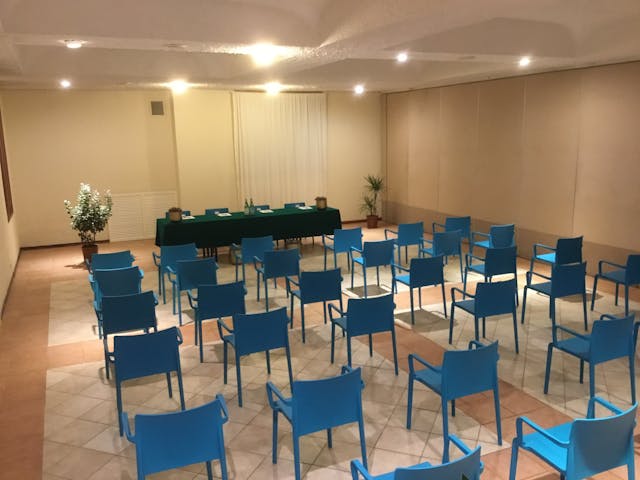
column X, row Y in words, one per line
column 178, row 87
column 74, row 44
column 272, row 88
column 64, row 83
column 402, row 57
column 358, row 89
column 524, row 61
column 263, row 54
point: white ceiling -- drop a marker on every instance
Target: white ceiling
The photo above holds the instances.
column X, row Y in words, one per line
column 334, row 43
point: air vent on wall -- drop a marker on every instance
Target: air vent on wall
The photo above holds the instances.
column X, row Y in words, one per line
column 157, row 108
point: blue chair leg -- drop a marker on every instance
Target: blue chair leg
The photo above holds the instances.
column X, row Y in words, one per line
column 515, row 330
column 464, row 283
column 288, row 354
column 257, row 286
column 179, row 307
column 370, row 345
column 329, row 438
column 180, row 389
column 445, row 431
column 325, row 258
column 296, row 457
column 209, row 471
column 352, row 267
column 409, row 401
column 395, row 352
column 225, row 359
column 119, row 404
column 413, row 319
column 524, row 303
column 592, row 380
column 243, row 272
column 595, row 289
column 451, row 320
column 584, row 311
column 266, row 292
column 274, row 444
column 201, row 346
column 348, row 349
column 378, row 276
column 460, row 258
column 239, row 380
column 363, row 445
column 626, row 300
column 514, row 460
column 420, row 298
column 333, row 340
column 168, row 375
column 476, row 327
column 364, row 274
column 616, row 298
column 444, row 301
column 496, row 406
column 268, row 361
column 301, row 318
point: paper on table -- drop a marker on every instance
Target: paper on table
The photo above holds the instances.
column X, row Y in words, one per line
column 188, row 217
column 304, row 207
column 265, row 211
column 223, row 214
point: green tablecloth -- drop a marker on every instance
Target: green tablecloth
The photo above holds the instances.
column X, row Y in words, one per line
column 214, row 231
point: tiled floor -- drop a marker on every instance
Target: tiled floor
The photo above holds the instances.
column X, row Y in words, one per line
column 58, row 410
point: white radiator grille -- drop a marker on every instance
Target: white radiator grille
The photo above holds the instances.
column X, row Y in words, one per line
column 134, row 214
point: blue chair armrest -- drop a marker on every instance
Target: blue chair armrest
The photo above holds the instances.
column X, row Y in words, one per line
column 326, row 237
column 224, row 325
column 141, row 272
column 347, row 369
column 171, row 271
column 635, row 335
column 400, row 267
column 539, row 429
column 357, row 470
column 479, row 234
column 460, row 444
column 611, row 264
column 476, row 344
column 223, row 406
column 468, row 256
column 332, row 307
column 530, row 274
column 436, row 224
column 387, row 231
column 180, row 339
column 542, row 246
column 235, row 246
column 192, row 298
column 125, row 426
column 156, row 259
column 569, row 331
column 456, row 289
column 415, row 357
column 592, row 406
column 273, row 390
column 355, row 249
column 256, row 261
column 295, row 282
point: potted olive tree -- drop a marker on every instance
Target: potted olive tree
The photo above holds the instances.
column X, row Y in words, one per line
column 373, row 187
column 89, row 216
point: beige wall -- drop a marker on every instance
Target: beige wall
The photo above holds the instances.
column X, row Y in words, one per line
column 558, row 154
column 57, row 139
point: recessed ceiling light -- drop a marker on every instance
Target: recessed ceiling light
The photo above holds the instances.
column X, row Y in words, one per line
column 64, row 83
column 73, row 44
column 263, row 54
column 273, row 88
column 402, row 57
column 524, row 61
column 178, row 86
column 358, row 89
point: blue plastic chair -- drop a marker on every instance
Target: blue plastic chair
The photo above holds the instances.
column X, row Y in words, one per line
column 294, row 204
column 126, row 313
column 497, row 261
column 451, row 224
column 317, row 405
column 112, row 283
column 462, row 373
column 169, row 255
column 566, row 251
column 499, row 236
column 364, row 316
column 256, row 332
column 322, row 286
column 581, row 448
column 445, row 244
column 422, row 272
column 215, row 211
column 107, row 261
column 406, row 235
column 248, row 249
column 137, row 356
column 490, row 299
column 611, row 337
column 273, row 265
column 565, row 280
column 373, row 254
column 626, row 275
column 177, row 439
column 188, row 275
column 469, row 466
column 341, row 242
column 214, row 302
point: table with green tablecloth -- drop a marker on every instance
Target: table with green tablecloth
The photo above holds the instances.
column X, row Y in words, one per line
column 208, row 231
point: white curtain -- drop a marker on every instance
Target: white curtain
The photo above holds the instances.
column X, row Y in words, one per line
column 280, row 147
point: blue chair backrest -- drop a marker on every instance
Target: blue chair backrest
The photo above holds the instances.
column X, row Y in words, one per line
column 469, row 466
column 320, row 286
column 192, row 273
column 612, row 339
column 255, row 247
column 128, row 312
column 632, row 274
column 280, row 263
column 184, row 213
column 569, row 250
column 495, row 298
column 458, row 223
column 294, row 205
column 217, row 301
column 326, row 403
column 600, row 444
column 257, row 332
column 213, row 211
column 501, row 236
column 426, row 271
column 378, row 253
column 446, row 243
column 410, row 234
column 263, row 207
column 170, row 254
column 498, row 261
column 370, row 315
column 568, row 279
column 117, row 281
column 465, row 372
column 344, row 239
column 105, row 261
column 148, row 354
column 171, row 440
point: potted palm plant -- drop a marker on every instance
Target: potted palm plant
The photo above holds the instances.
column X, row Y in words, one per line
column 89, row 216
column 374, row 185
